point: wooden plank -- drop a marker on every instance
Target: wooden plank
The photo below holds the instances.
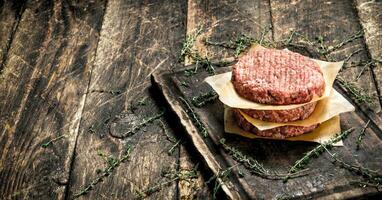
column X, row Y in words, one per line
column 10, row 12
column 335, row 21
column 42, row 92
column 137, row 38
column 324, row 181
column 225, row 20
column 194, row 188
column 371, row 20
column 366, row 154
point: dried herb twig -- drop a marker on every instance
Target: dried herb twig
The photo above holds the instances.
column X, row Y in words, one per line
column 361, row 135
column 142, row 102
column 356, row 92
column 112, row 92
column 171, row 177
column 171, row 150
column 198, row 60
column 104, row 173
column 189, row 43
column 254, row 166
column 301, row 163
column 184, row 84
column 195, row 119
column 372, row 177
column 203, row 99
column 242, row 42
column 248, row 162
column 168, row 136
column 145, row 121
column 220, row 178
column 227, row 45
column 45, row 145
column 352, row 54
column 366, row 66
column 349, row 39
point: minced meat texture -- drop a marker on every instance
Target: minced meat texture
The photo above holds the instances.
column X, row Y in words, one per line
column 290, row 115
column 281, row 132
column 277, row 77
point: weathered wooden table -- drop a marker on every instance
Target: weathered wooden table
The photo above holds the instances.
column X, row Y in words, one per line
column 77, row 115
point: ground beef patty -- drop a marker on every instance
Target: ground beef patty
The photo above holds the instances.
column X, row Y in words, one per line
column 294, row 114
column 278, row 132
column 277, row 77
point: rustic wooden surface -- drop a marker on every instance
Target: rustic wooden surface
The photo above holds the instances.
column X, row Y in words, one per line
column 81, row 68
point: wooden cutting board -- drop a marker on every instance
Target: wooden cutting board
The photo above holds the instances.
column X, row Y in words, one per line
column 322, row 179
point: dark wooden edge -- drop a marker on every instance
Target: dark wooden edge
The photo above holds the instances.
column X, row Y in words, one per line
column 231, row 190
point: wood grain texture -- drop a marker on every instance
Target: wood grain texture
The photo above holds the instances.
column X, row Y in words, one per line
column 194, row 188
column 10, row 12
column 224, row 20
column 137, row 38
column 61, row 75
column 370, row 16
column 42, row 91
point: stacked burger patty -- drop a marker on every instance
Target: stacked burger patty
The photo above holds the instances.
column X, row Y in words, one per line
column 277, row 77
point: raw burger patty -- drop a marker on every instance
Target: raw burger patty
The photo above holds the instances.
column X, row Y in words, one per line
column 294, row 114
column 278, row 132
column 277, row 77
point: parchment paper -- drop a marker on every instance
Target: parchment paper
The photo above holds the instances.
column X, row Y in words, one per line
column 325, row 109
column 223, row 86
column 323, row 133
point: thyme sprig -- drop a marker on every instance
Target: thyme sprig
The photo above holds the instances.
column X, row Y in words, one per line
column 347, row 40
column 172, row 149
column 371, row 176
column 220, row 178
column 142, row 102
column 46, row 144
column 168, row 136
column 227, row 45
column 254, row 166
column 318, row 150
column 189, row 43
column 204, row 98
column 114, row 163
column 143, row 123
column 112, row 92
column 204, row 62
column 318, row 44
column 362, row 135
column 352, row 54
column 200, row 61
column 247, row 161
column 195, row 119
column 243, row 42
column 239, row 45
column 190, row 72
column 171, row 176
column 366, row 66
column 185, row 84
column 197, row 59
column 358, row 93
